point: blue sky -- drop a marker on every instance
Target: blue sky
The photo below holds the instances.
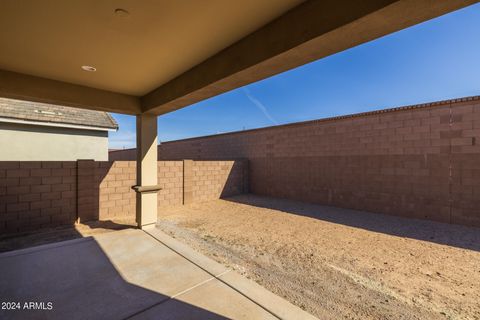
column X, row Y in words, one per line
column 438, row 59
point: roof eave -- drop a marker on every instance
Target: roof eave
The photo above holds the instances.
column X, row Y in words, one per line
column 57, row 124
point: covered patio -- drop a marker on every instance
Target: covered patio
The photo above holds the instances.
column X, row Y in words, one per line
column 130, row 274
column 148, row 59
column 98, row 56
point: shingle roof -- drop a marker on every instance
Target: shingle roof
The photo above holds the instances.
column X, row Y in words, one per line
column 43, row 112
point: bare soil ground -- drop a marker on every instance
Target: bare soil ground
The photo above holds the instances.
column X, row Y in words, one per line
column 338, row 263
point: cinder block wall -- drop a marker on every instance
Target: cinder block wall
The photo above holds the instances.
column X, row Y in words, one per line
column 35, row 195
column 420, row 161
column 217, row 179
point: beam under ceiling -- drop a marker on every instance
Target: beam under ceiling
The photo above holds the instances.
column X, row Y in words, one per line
column 308, row 32
column 25, row 87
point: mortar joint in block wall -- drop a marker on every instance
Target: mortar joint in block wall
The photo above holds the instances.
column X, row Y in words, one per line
column 92, row 190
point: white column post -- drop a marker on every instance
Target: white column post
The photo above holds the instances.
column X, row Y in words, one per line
column 147, row 185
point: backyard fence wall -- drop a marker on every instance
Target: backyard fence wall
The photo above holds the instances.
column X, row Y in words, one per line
column 45, row 194
column 419, row 161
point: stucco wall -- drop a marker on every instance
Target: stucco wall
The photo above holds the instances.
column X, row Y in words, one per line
column 20, row 142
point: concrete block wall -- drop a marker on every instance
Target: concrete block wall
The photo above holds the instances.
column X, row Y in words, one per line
column 217, row 179
column 115, row 197
column 122, row 155
column 418, row 161
column 35, row 195
column 170, row 179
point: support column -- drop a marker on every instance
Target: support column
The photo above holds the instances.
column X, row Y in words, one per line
column 147, row 178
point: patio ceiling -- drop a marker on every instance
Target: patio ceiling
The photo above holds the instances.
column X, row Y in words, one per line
column 159, row 56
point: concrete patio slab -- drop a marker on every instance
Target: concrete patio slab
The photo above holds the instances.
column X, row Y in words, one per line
column 142, row 261
column 124, row 274
column 193, row 256
column 276, row 305
column 213, row 295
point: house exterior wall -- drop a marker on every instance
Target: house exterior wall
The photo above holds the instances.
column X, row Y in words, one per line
column 418, row 162
column 20, row 142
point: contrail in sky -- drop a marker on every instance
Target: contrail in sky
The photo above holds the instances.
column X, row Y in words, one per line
column 259, row 105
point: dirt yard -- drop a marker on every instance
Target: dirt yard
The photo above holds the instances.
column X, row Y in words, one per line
column 338, row 263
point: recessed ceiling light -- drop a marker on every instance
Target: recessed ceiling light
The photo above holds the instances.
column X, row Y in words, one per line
column 89, row 68
column 121, row 12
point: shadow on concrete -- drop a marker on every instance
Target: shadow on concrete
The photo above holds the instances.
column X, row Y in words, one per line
column 77, row 280
column 17, row 241
column 436, row 232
